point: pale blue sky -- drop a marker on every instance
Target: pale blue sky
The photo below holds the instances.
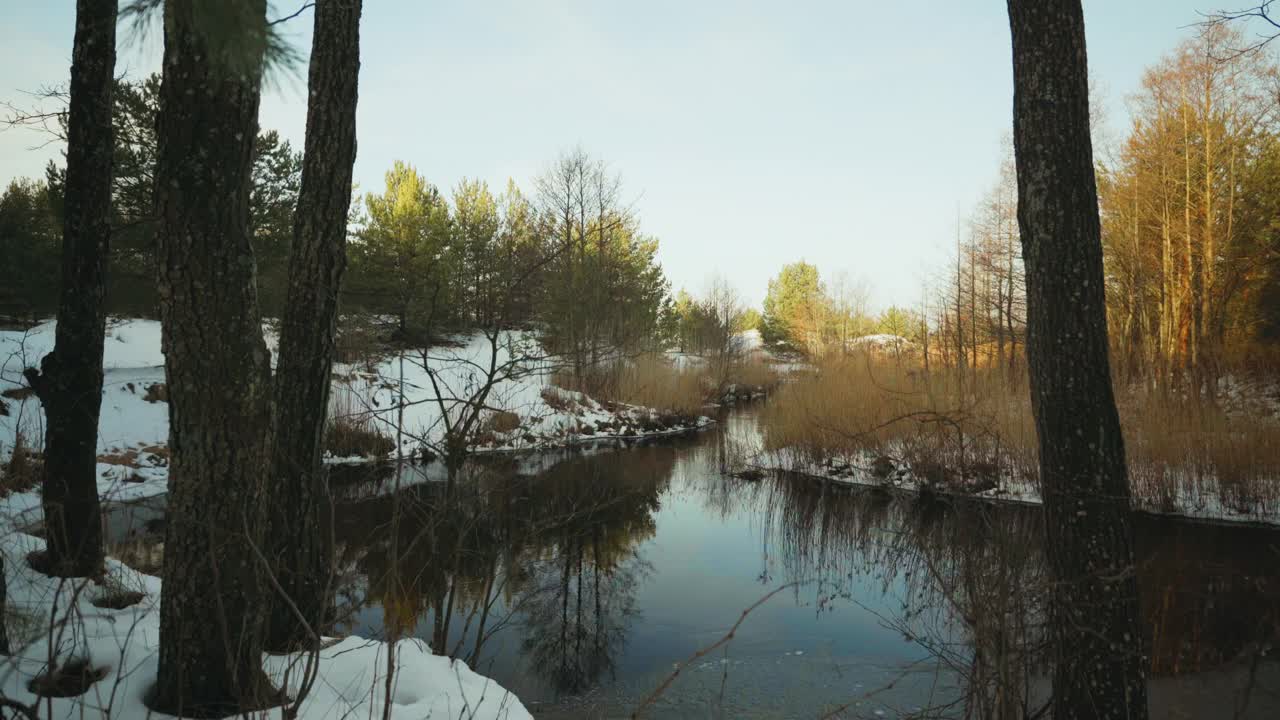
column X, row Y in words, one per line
column 749, row 134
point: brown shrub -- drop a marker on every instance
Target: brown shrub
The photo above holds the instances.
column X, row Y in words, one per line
column 500, row 422
column 24, row 468
column 157, row 392
column 68, row 680
column 754, row 373
column 555, row 400
column 351, row 431
column 348, row 437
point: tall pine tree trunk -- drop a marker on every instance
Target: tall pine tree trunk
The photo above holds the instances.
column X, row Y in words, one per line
column 298, row 538
column 216, row 363
column 69, row 383
column 1095, row 636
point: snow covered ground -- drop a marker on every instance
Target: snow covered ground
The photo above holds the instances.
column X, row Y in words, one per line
column 440, row 388
column 133, row 431
column 136, row 421
column 1199, row 501
column 133, row 465
column 123, row 644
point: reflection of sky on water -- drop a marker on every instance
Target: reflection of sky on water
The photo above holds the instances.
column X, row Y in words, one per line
column 694, row 548
column 686, row 549
column 708, row 560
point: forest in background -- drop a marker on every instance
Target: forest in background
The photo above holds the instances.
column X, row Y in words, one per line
column 1191, row 227
column 572, row 262
column 1187, row 196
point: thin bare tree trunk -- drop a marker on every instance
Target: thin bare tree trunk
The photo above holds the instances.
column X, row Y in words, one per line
column 1169, row 288
column 4, row 610
column 1095, row 637
column 1205, row 342
column 69, row 382
column 1193, row 275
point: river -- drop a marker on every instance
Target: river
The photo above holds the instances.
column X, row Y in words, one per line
column 584, row 585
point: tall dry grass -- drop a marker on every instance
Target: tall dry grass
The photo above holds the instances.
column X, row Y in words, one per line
column 648, row 381
column 352, row 430
column 977, row 426
column 654, row 381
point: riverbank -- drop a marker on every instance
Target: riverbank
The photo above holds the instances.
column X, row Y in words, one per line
column 890, row 422
column 879, row 472
column 105, row 633
column 417, row 398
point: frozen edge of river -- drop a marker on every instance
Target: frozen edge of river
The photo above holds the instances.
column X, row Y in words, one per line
column 857, row 471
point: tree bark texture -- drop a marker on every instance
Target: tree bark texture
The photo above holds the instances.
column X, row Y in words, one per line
column 218, row 372
column 69, row 382
column 1095, row 637
column 298, row 538
column 4, row 610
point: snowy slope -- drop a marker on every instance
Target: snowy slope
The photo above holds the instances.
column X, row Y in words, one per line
column 124, row 644
column 549, row 416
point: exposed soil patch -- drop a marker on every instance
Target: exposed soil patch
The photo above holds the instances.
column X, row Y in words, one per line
column 156, row 393
column 127, row 458
column 19, row 393
column 150, row 455
column 558, row 402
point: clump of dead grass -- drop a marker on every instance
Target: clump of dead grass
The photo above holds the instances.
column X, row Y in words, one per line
column 352, row 432
column 972, row 427
column 25, row 466
column 755, row 373
column 648, row 381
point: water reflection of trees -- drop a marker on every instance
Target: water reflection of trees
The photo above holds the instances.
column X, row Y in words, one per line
column 555, row 553
column 970, row 576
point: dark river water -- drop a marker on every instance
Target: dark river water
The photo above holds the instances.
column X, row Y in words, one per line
column 583, row 586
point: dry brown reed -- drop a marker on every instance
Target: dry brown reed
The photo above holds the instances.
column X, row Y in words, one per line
column 351, row 430
column 654, row 381
column 949, row 425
